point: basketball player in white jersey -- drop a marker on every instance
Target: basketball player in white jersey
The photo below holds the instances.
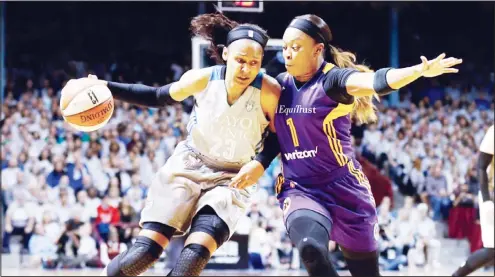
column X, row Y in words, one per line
column 486, row 168
column 235, row 105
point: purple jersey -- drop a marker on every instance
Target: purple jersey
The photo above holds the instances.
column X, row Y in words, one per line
column 312, row 129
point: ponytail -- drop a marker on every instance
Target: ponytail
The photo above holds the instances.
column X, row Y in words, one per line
column 213, row 27
column 364, row 110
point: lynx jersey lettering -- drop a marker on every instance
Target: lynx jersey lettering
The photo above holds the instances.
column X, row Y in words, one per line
column 231, row 135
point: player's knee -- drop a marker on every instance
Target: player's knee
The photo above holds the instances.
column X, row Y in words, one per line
column 137, row 259
column 312, row 251
column 309, row 235
column 207, row 221
column 306, row 223
column 165, row 230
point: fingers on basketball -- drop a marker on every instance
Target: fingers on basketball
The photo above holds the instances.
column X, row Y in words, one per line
column 69, row 91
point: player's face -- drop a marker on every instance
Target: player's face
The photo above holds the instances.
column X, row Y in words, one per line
column 299, row 51
column 244, row 58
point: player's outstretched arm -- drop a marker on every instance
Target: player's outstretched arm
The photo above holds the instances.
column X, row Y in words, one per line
column 386, row 80
column 191, row 82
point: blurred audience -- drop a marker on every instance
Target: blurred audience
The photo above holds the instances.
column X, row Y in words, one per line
column 75, row 198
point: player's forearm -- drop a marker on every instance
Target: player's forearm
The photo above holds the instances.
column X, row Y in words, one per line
column 483, row 163
column 271, row 149
column 141, row 94
column 400, row 77
column 383, row 81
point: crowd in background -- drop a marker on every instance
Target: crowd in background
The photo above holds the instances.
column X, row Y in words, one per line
column 74, row 199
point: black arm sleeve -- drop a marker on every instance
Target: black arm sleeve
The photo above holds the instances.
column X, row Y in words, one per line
column 271, row 148
column 141, row 94
column 334, row 84
column 483, row 163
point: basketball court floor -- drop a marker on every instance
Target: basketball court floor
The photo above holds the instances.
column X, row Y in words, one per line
column 90, row 272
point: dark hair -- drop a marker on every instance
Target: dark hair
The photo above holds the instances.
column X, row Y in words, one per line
column 215, row 27
column 364, row 109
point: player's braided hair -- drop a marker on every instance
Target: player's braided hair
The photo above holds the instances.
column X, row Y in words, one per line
column 215, row 27
column 364, row 110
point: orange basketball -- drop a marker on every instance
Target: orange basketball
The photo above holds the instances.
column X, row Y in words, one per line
column 86, row 108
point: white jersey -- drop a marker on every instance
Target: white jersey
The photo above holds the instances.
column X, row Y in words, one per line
column 228, row 135
column 486, row 208
column 486, row 146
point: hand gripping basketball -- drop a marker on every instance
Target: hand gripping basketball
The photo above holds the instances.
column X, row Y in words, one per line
column 75, row 86
column 86, row 103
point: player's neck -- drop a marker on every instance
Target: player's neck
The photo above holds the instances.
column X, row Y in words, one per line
column 308, row 75
column 234, row 92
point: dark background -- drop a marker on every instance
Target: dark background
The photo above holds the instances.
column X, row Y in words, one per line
column 147, row 36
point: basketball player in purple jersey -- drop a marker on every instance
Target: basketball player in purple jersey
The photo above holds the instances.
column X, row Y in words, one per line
column 323, row 191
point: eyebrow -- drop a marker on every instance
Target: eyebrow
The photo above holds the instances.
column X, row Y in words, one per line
column 245, row 55
column 294, row 39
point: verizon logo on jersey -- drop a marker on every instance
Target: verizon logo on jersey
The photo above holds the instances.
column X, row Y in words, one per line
column 298, row 155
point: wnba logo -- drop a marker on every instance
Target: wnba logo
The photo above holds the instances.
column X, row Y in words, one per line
column 98, row 114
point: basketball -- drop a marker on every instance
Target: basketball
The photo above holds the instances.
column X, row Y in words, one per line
column 86, row 108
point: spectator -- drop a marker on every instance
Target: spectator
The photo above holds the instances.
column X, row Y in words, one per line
column 128, row 219
column 436, row 194
column 19, row 220
column 87, row 253
column 76, row 170
column 464, row 197
column 106, row 215
column 9, row 174
column 285, row 256
column 111, row 248
column 54, row 177
column 425, row 234
column 43, row 249
column 258, row 245
column 88, row 211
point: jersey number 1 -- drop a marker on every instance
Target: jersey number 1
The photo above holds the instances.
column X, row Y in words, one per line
column 293, row 133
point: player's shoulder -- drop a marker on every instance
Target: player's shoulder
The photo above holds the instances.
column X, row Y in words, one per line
column 328, row 67
column 270, row 85
column 201, row 74
column 282, row 77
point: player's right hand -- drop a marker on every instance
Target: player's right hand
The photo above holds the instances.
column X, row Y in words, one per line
column 248, row 175
column 74, row 86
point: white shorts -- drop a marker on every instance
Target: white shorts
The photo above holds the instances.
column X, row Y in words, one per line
column 185, row 184
column 487, row 226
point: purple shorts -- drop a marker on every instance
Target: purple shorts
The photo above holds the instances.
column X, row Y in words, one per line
column 344, row 198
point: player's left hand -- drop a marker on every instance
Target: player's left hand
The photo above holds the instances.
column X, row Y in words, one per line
column 438, row 66
column 248, row 175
